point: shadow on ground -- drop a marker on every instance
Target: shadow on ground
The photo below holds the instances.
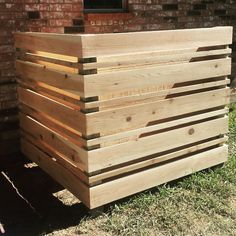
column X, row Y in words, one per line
column 27, row 203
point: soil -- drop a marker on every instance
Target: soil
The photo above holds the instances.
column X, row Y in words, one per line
column 31, row 203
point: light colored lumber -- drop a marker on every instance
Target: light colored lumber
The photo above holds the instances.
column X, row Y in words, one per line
column 71, row 134
column 57, row 67
column 153, row 78
column 65, row 44
column 57, row 171
column 138, row 116
column 146, row 55
column 58, row 79
column 90, row 45
column 111, row 44
column 49, row 57
column 156, row 159
column 125, row 186
column 132, row 60
column 110, row 156
column 57, row 111
column 74, row 153
column 54, row 154
column 154, row 96
column 61, row 96
column 135, row 134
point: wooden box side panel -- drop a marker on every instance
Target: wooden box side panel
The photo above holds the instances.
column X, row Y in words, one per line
column 111, row 44
column 64, row 44
column 162, row 141
column 146, row 179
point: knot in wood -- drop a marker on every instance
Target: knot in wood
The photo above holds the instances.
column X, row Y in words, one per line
column 191, row 131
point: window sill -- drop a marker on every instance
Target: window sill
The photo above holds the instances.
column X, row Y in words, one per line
column 107, row 15
column 105, row 11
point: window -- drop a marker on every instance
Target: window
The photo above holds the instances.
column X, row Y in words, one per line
column 105, row 5
column 33, row 15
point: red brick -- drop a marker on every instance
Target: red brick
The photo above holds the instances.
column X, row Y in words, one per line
column 56, row 23
column 31, row 7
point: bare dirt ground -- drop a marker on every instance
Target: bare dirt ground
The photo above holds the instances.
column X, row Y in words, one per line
column 31, row 207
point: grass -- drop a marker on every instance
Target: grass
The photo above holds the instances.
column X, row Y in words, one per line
column 201, row 204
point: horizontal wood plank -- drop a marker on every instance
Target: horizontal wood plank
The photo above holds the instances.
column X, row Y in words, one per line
column 74, row 153
column 59, row 157
column 154, row 96
column 135, row 134
column 53, row 93
column 72, row 118
column 112, row 44
column 56, row 78
column 138, row 116
column 110, row 156
column 156, row 159
column 64, row 44
column 131, row 184
column 148, row 79
column 49, row 57
column 59, row 127
column 133, row 60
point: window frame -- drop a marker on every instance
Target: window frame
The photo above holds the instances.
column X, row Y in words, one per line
column 112, row 10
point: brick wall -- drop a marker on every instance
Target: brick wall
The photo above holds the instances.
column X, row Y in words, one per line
column 11, row 19
column 52, row 15
column 163, row 14
column 66, row 16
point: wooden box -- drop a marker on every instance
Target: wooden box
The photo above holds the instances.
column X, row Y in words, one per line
column 110, row 115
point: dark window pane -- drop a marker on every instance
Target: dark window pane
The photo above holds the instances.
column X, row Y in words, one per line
column 103, row 4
